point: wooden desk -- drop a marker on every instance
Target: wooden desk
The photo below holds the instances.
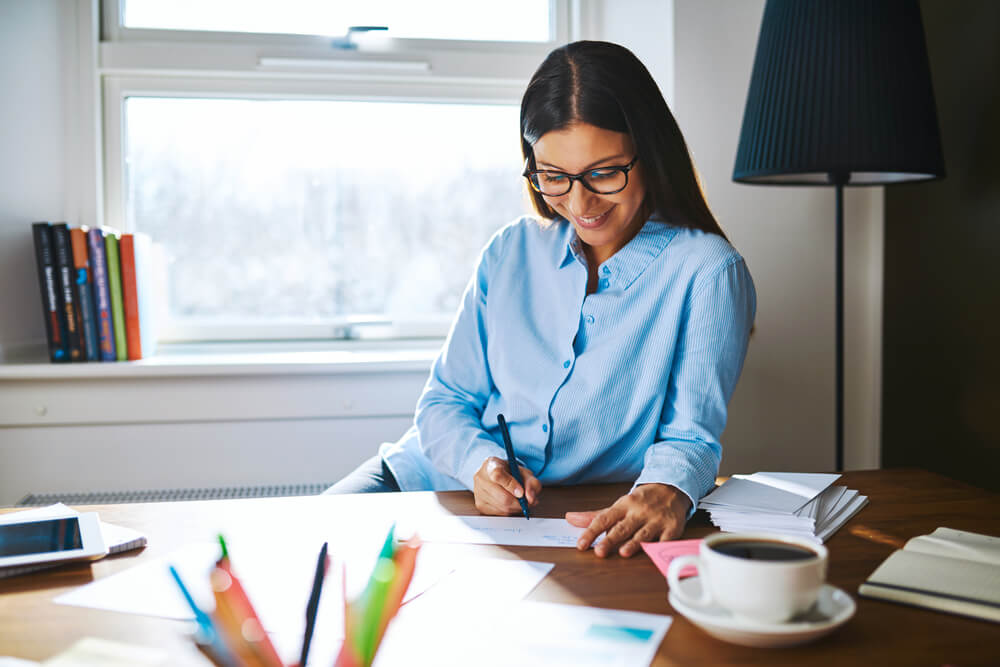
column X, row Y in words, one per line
column 903, row 503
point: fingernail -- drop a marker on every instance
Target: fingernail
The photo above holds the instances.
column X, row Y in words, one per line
column 517, row 493
column 581, row 544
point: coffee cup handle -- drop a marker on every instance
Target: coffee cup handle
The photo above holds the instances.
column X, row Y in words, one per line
column 674, row 578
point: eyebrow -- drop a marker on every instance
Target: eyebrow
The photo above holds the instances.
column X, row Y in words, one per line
column 589, row 166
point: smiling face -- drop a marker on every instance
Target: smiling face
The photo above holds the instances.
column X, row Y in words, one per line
column 605, row 223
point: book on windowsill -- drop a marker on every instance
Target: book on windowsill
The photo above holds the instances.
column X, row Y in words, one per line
column 48, row 280
column 953, row 571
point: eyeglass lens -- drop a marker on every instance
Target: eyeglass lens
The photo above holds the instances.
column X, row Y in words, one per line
column 602, row 181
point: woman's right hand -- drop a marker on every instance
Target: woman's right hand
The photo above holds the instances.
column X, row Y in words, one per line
column 496, row 491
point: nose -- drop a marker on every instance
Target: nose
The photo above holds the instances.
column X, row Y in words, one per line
column 580, row 199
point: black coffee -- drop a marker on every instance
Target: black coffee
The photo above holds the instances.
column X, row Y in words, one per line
column 763, row 550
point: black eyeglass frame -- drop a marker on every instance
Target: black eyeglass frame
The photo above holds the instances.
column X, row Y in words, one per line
column 625, row 169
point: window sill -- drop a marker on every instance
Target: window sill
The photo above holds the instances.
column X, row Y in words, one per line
column 235, row 359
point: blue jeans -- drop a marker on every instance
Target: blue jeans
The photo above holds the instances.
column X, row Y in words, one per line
column 372, row 476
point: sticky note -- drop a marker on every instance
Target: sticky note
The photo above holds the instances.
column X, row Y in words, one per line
column 661, row 553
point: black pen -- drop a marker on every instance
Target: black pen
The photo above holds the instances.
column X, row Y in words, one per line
column 313, row 606
column 514, row 470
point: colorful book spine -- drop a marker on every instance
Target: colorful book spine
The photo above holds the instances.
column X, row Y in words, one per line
column 55, row 329
column 87, row 317
column 115, row 288
column 67, row 301
column 144, row 279
column 130, row 297
column 102, row 294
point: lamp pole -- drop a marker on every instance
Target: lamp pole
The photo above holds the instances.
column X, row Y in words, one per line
column 839, row 179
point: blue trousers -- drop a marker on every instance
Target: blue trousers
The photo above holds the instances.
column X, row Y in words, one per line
column 372, row 476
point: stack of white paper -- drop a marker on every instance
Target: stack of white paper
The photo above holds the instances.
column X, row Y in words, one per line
column 791, row 503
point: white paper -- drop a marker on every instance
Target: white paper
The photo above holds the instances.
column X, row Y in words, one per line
column 472, row 583
column 525, row 633
column 97, row 652
column 856, row 505
column 805, row 484
column 503, row 530
column 780, row 493
column 277, row 582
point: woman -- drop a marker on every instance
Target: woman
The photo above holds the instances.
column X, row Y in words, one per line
column 610, row 336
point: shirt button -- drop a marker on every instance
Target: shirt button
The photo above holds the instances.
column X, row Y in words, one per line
column 590, row 319
column 604, row 282
column 545, row 428
column 606, row 270
column 565, row 364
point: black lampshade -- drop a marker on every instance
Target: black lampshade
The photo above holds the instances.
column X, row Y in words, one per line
column 841, row 89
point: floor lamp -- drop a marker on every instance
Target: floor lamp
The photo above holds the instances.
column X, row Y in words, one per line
column 840, row 95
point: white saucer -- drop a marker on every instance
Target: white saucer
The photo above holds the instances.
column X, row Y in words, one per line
column 833, row 608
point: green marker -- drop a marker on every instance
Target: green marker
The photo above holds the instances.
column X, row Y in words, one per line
column 374, row 599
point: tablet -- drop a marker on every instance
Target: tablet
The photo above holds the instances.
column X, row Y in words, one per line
column 51, row 540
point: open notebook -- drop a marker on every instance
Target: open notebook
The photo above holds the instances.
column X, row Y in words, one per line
column 117, row 538
column 949, row 570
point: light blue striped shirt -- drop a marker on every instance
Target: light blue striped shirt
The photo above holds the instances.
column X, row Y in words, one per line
column 630, row 383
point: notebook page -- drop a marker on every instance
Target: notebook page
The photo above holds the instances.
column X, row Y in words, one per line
column 958, row 544
column 941, row 575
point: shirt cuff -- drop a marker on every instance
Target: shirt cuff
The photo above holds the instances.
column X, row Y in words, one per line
column 690, row 467
column 686, row 492
column 480, row 450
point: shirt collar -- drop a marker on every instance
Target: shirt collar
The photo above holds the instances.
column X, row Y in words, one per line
column 622, row 268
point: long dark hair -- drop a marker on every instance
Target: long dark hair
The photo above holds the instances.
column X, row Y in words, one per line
column 605, row 85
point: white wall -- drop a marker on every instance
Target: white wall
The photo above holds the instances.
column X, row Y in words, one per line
column 781, row 417
column 33, row 152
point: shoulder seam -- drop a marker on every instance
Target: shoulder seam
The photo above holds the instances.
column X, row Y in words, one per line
column 735, row 259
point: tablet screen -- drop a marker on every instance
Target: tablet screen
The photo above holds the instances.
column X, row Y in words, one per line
column 36, row 537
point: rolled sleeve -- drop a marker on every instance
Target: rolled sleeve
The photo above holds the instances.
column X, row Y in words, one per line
column 449, row 411
column 708, row 361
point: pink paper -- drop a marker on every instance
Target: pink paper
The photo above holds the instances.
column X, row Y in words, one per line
column 661, row 553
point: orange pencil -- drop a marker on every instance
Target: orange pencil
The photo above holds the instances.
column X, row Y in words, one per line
column 251, row 629
column 228, row 623
column 348, row 656
column 406, row 562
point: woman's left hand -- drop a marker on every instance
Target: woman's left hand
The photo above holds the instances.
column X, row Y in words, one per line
column 651, row 513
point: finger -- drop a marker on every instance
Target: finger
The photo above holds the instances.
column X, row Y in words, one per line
column 672, row 531
column 495, row 503
column 502, row 502
column 620, row 532
column 498, row 473
column 580, row 519
column 604, row 520
column 645, row 533
column 490, row 498
column 532, row 487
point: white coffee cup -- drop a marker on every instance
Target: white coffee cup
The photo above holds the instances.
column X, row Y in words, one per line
column 754, row 583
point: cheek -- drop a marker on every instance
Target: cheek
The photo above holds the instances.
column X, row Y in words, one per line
column 555, row 203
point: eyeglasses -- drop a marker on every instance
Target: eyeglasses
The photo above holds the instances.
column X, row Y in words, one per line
column 601, row 180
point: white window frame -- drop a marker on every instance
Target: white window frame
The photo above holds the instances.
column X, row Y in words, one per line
column 177, row 63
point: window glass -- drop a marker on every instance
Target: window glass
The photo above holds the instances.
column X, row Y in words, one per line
column 311, row 210
column 510, row 20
